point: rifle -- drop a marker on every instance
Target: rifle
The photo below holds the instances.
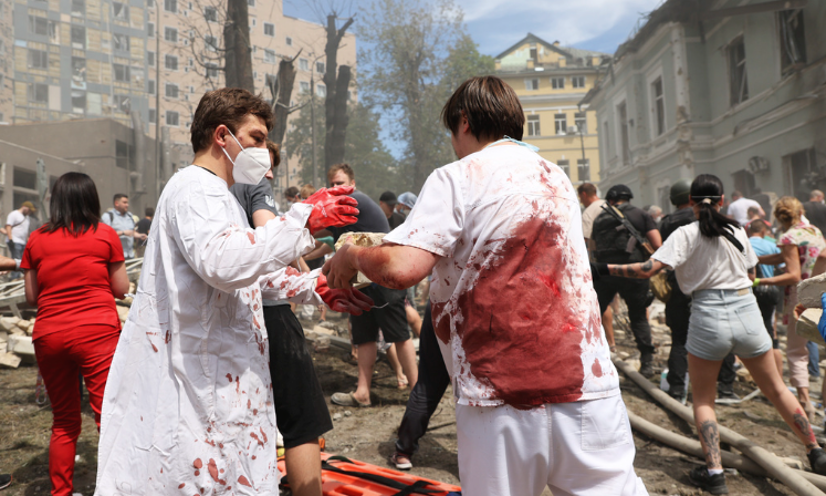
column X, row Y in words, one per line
column 636, row 237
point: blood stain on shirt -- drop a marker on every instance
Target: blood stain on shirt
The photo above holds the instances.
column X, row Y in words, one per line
column 518, row 330
column 251, row 237
column 213, row 472
column 596, row 368
column 243, row 481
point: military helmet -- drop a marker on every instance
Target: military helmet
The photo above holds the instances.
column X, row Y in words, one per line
column 680, row 192
column 619, row 192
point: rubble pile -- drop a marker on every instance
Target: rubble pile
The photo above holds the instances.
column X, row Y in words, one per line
column 16, row 345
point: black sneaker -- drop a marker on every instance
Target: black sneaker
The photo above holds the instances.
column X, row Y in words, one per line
column 647, row 369
column 5, row 480
column 715, row 484
column 817, row 459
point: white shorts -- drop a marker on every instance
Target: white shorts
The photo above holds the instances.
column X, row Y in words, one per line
column 579, row 448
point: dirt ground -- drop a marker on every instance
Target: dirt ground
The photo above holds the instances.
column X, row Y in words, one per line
column 368, row 434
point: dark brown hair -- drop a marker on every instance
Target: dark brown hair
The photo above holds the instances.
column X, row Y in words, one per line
column 75, row 205
column 490, row 106
column 227, row 106
column 340, row 167
column 275, row 152
column 587, row 188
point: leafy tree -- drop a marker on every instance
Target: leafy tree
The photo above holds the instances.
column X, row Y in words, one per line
column 418, row 53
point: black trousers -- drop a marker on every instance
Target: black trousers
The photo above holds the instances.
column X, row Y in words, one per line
column 428, row 391
column 635, row 294
column 677, row 314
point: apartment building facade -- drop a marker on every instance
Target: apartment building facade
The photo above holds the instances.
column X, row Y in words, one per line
column 550, row 81
column 142, row 63
column 732, row 88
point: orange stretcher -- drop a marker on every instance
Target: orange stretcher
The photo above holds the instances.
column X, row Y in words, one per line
column 341, row 476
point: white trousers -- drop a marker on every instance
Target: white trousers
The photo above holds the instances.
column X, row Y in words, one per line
column 583, row 448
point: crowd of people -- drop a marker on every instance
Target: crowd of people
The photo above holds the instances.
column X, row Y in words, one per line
column 524, row 274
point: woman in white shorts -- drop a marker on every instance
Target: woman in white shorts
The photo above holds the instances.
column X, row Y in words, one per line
column 714, row 262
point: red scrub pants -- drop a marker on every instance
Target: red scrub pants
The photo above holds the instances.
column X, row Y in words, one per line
column 60, row 356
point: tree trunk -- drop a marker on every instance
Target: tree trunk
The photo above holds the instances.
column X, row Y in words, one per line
column 335, row 112
column 238, row 58
column 334, row 147
column 281, row 99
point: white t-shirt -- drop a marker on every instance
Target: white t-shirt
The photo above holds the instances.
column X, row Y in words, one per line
column 739, row 210
column 513, row 305
column 19, row 226
column 591, row 212
column 707, row 263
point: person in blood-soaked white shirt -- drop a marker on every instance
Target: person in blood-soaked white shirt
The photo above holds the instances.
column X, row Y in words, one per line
column 538, row 399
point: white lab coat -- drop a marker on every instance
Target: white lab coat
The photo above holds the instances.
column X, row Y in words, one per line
column 188, row 406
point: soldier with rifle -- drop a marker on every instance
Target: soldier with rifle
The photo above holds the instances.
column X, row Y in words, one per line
column 625, row 234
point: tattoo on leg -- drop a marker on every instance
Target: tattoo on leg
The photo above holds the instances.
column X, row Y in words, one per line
column 710, row 436
column 801, row 421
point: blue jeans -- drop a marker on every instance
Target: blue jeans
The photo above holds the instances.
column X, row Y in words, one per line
column 814, row 359
column 16, row 252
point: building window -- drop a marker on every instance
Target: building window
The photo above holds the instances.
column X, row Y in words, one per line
column 172, row 118
column 150, row 86
column 251, row 3
column 120, row 11
column 150, row 30
column 212, row 71
column 289, row 41
column 78, row 71
column 150, row 4
column 120, row 42
column 269, row 29
column 558, row 83
column 121, row 72
column 565, row 165
column 121, row 103
column 532, row 84
column 792, row 39
column 170, row 62
column 533, row 125
column 170, row 6
column 78, row 34
column 41, row 26
column 211, row 43
column 581, row 122
column 150, row 59
column 78, row 7
column 321, row 90
column 153, row 116
column 659, row 105
column 578, row 81
column 560, row 123
column 78, row 101
column 269, row 56
column 319, row 67
column 606, row 136
column 304, row 64
column 738, row 80
column 38, row 93
column 622, row 118
column 583, row 169
column 171, row 90
column 211, row 14
column 38, row 59
column 122, row 154
column 170, row 34
column 304, row 86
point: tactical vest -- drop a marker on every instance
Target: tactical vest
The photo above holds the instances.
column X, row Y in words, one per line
column 612, row 238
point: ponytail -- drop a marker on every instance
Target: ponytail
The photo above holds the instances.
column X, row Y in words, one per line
column 707, row 190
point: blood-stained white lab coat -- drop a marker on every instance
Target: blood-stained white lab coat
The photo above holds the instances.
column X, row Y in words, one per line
column 188, row 406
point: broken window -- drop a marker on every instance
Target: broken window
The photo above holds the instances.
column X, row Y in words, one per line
column 738, row 80
column 560, row 123
column 120, row 42
column 79, row 7
column 792, row 39
column 533, row 125
column 78, row 101
column 659, row 106
column 120, row 11
column 122, row 103
column 79, row 72
column 79, row 37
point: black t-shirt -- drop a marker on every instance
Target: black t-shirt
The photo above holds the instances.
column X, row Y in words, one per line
column 676, row 220
column 371, row 218
column 143, row 225
column 605, row 226
column 816, row 213
column 254, row 197
column 395, row 220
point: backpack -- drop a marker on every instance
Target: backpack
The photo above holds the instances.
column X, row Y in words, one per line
column 612, row 238
column 112, row 218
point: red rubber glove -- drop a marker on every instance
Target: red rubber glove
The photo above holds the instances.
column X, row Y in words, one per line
column 331, row 208
column 348, row 300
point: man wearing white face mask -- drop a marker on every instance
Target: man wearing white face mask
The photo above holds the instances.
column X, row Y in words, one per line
column 188, row 406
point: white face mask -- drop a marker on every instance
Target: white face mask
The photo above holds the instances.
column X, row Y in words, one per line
column 251, row 165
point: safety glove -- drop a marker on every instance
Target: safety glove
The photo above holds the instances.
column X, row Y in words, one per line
column 347, row 300
column 331, row 208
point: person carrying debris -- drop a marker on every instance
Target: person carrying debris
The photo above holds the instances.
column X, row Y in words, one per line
column 188, row 407
column 714, row 262
column 514, row 310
